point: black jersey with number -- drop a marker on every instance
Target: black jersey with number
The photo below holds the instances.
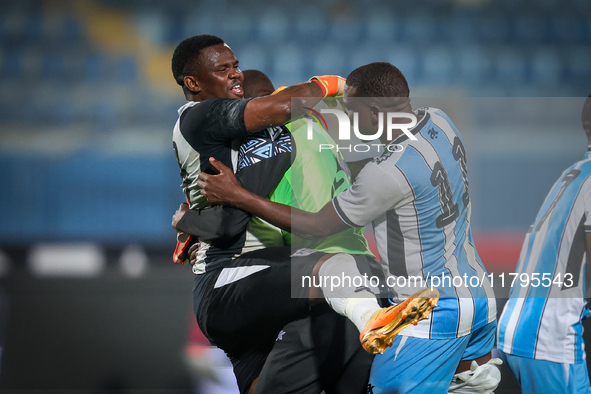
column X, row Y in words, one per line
column 215, row 128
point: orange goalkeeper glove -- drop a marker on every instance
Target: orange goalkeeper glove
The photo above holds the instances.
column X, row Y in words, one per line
column 280, row 88
column 331, row 85
column 181, row 252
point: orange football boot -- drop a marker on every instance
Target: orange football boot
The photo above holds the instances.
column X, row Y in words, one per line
column 386, row 323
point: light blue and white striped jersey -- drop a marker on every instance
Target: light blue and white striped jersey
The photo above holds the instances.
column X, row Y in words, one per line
column 542, row 320
column 420, row 207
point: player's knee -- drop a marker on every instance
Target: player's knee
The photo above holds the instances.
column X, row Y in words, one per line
column 333, row 264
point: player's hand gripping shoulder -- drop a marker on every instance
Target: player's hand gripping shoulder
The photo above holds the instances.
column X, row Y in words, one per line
column 223, row 188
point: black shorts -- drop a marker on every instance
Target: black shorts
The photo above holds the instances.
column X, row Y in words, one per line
column 242, row 306
column 320, row 353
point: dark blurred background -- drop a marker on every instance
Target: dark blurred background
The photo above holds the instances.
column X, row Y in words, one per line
column 88, row 179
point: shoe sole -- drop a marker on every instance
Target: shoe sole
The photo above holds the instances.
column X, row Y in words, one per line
column 418, row 307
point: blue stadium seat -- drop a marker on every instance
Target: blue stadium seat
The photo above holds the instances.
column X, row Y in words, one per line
column 153, row 25
column 578, row 60
column 82, row 98
column 14, row 102
column 346, row 29
column 54, row 28
column 53, row 65
column 439, row 67
column 546, row 67
column 102, row 115
column 34, row 27
column 382, row 26
column 10, row 66
column 547, row 5
column 328, row 58
column 474, row 64
column 567, row 28
column 31, row 64
column 407, row 60
column 510, row 66
column 273, row 26
column 21, row 6
column 461, row 28
column 583, row 6
column 73, row 59
column 494, row 28
column 252, row 56
column 368, row 51
column 123, row 68
column 288, row 65
column 511, row 5
column 421, row 28
column 310, row 25
column 199, row 23
column 95, row 67
column 530, row 28
column 14, row 26
column 238, row 25
column 73, row 29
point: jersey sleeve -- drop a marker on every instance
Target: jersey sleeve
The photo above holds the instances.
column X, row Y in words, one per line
column 222, row 223
column 214, row 223
column 374, row 192
column 214, row 121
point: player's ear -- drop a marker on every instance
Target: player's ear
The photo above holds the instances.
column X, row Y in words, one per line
column 191, row 84
column 375, row 113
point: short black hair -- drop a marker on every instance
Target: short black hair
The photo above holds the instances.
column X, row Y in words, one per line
column 378, row 79
column 187, row 52
column 256, row 83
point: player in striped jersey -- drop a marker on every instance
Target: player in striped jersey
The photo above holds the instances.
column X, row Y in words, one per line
column 540, row 331
column 419, row 204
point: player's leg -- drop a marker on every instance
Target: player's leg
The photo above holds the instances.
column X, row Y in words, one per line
column 290, row 367
column 318, row 353
column 257, row 287
column 477, row 372
column 248, row 301
column 540, row 376
column 579, row 378
column 355, row 299
column 344, row 366
column 418, row 365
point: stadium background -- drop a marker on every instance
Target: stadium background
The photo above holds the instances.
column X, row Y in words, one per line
column 88, row 179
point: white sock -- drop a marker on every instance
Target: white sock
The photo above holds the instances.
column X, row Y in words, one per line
column 359, row 310
column 336, row 279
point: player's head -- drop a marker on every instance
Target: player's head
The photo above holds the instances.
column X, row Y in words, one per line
column 206, row 68
column 379, row 79
column 256, row 84
column 586, row 118
column 373, row 89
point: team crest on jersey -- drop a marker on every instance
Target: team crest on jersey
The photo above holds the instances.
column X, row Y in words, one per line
column 382, row 158
column 263, row 145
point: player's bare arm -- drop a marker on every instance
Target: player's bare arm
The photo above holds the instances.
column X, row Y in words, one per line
column 215, row 73
column 225, row 189
column 278, row 109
